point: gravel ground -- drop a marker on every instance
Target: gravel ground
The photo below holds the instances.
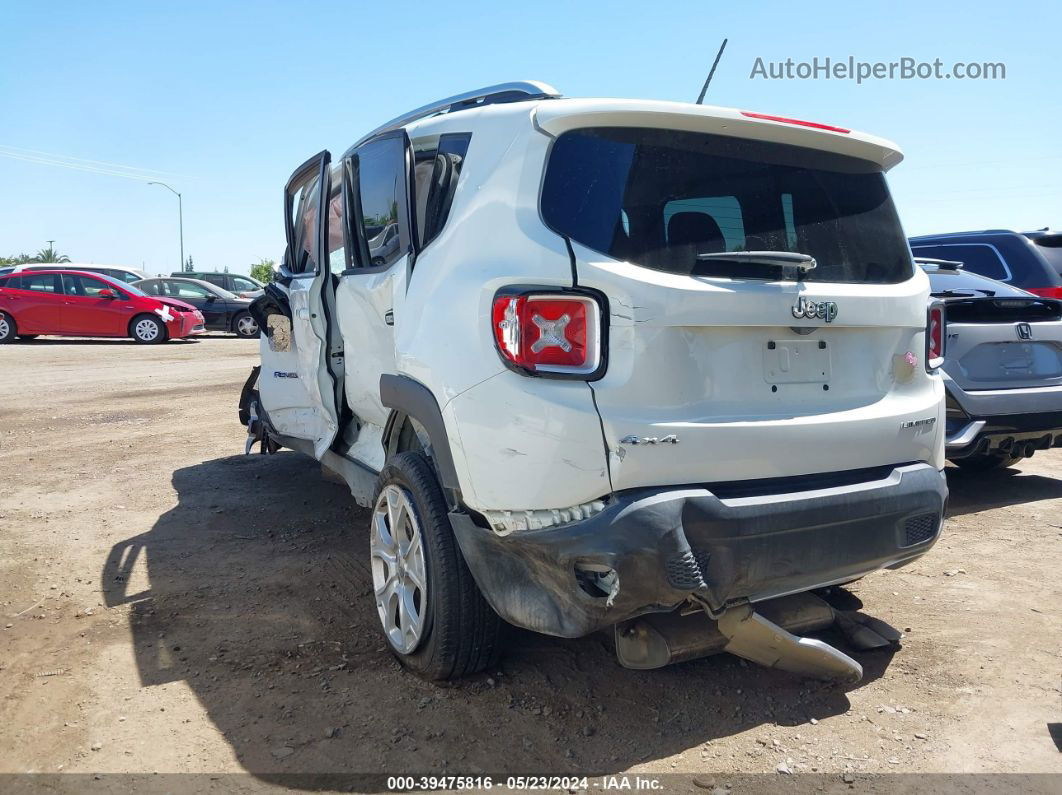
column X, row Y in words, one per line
column 169, row 605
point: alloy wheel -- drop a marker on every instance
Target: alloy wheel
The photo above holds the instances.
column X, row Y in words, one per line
column 247, row 326
column 399, row 573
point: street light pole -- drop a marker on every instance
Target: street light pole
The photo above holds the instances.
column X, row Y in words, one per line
column 180, row 215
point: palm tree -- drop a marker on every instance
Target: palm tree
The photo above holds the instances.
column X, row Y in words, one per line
column 50, row 255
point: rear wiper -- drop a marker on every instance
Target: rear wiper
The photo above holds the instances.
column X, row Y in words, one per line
column 785, row 259
column 966, row 291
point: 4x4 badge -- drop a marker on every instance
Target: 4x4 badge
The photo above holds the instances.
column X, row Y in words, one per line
column 1024, row 331
column 827, row 310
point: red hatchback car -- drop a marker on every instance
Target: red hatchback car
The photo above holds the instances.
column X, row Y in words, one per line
column 80, row 304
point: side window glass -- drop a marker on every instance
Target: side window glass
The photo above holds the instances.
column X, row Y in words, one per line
column 41, row 282
column 186, row 290
column 303, row 259
column 381, row 174
column 151, row 288
column 245, row 284
column 337, row 251
column 975, row 258
column 436, row 174
column 84, row 286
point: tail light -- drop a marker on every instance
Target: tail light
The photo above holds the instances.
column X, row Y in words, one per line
column 800, row 122
column 935, row 336
column 1046, row 292
column 553, row 334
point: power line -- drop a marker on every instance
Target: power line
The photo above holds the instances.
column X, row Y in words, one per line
column 77, row 167
column 84, row 160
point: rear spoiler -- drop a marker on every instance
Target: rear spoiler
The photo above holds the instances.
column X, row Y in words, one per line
column 943, row 264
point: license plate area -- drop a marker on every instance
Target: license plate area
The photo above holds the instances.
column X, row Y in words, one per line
column 796, row 362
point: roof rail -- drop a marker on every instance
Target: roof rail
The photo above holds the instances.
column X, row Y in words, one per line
column 519, row 91
column 968, row 232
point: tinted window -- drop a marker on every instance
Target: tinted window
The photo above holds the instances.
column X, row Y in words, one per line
column 212, row 278
column 1050, row 247
column 11, row 282
column 438, row 167
column 659, row 198
column 975, row 257
column 176, row 289
column 958, row 281
column 239, row 283
column 381, row 173
column 152, row 287
column 41, row 282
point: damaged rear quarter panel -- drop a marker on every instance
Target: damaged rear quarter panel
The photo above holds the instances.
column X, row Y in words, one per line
column 537, row 444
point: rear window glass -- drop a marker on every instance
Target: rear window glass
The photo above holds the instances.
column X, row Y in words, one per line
column 975, row 257
column 1050, row 247
column 659, row 198
column 943, row 281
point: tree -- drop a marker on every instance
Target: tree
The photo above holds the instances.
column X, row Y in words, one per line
column 263, row 270
column 50, row 255
column 188, row 268
column 21, row 259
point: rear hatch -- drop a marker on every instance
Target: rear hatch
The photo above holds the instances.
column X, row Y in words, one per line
column 731, row 369
column 999, row 337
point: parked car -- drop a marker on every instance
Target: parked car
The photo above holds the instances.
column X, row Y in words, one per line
column 1029, row 260
column 659, row 367
column 70, row 303
column 122, row 274
column 222, row 310
column 1002, row 368
column 243, row 286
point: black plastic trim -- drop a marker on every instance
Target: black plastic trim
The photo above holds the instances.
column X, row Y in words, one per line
column 402, row 393
column 750, row 548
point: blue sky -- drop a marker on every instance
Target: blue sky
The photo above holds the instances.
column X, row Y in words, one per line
column 228, row 98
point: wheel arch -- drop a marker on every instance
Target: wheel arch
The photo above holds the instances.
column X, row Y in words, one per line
column 410, row 401
column 138, row 316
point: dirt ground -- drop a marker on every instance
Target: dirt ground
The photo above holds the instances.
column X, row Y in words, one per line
column 170, row 605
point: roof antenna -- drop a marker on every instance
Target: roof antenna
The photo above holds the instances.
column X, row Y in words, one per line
column 715, row 63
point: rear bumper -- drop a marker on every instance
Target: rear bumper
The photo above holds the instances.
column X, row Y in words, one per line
column 665, row 545
column 1004, row 421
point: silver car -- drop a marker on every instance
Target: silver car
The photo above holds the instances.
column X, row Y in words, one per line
column 1003, row 368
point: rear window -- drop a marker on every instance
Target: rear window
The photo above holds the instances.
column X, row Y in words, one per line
column 659, row 198
column 1050, row 247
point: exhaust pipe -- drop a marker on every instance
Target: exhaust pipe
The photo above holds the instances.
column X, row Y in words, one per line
column 763, row 635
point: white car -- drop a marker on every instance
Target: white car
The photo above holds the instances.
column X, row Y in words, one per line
column 119, row 272
column 646, row 365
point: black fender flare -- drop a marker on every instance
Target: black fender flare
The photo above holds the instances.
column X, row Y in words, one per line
column 404, row 395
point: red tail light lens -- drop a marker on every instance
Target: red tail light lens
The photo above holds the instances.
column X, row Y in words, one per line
column 1046, row 292
column 935, row 336
column 555, row 334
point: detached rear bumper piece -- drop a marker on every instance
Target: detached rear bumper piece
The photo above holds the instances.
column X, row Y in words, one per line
column 649, row 550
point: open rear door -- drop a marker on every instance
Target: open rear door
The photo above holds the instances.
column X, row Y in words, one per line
column 301, row 369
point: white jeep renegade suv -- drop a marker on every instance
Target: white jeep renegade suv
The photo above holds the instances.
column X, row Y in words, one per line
column 599, row 362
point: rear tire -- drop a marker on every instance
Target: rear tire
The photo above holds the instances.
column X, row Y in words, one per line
column 148, row 330
column 447, row 630
column 8, row 329
column 986, row 462
column 245, row 326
